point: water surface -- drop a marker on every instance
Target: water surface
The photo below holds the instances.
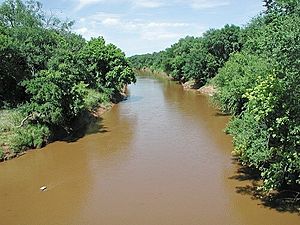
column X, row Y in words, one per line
column 159, row 158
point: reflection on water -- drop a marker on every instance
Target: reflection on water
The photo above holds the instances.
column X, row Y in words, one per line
column 162, row 160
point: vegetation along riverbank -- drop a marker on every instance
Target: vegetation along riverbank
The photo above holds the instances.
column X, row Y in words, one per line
column 51, row 77
column 256, row 72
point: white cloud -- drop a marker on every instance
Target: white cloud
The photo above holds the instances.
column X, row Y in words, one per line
column 100, row 16
column 111, row 22
column 166, row 25
column 82, row 30
column 126, row 28
column 196, row 4
column 133, row 3
column 105, row 23
column 147, row 3
column 86, row 32
column 205, row 4
column 82, row 3
column 147, row 30
column 151, row 4
column 154, row 35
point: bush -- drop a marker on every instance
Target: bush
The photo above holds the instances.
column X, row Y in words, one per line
column 94, row 98
column 9, row 119
column 250, row 140
column 266, row 135
column 105, row 66
column 55, row 98
column 31, row 136
column 238, row 75
column 1, row 153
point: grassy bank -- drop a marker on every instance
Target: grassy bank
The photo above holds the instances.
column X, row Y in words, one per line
column 19, row 133
column 153, row 72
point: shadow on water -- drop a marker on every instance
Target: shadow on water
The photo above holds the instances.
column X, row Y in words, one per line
column 282, row 201
column 88, row 124
column 84, row 125
column 219, row 113
column 93, row 127
column 135, row 98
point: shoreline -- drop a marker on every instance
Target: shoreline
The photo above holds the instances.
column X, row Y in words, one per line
column 206, row 89
column 79, row 124
column 153, row 72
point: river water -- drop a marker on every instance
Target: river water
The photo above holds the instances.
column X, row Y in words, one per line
column 159, row 158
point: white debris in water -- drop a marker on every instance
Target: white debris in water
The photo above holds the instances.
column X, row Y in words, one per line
column 43, row 188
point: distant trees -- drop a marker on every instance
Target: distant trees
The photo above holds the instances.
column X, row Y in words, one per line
column 195, row 58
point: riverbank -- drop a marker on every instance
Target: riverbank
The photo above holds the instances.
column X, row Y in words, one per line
column 12, row 126
column 207, row 89
column 148, row 71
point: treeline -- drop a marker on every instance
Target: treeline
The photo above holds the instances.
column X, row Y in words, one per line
column 49, row 75
column 194, row 58
column 256, row 70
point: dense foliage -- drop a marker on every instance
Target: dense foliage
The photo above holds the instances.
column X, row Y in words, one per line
column 51, row 74
column 194, row 58
column 256, row 70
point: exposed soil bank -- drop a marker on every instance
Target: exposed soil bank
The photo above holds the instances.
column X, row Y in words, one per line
column 80, row 124
column 76, row 129
column 207, row 89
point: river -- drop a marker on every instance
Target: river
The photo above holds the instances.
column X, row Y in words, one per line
column 159, row 158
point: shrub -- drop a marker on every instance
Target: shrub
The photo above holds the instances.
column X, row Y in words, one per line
column 9, row 119
column 94, row 98
column 238, row 75
column 31, row 136
column 1, row 153
column 266, row 135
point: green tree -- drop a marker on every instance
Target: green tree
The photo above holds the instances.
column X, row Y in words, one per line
column 51, row 74
column 13, row 69
column 239, row 74
column 106, row 67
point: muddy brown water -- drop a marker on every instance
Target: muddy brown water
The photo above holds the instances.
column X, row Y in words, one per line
column 159, row 158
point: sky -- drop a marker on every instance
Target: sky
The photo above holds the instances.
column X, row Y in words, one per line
column 144, row 26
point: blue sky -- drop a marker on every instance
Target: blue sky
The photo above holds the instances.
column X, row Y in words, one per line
column 142, row 26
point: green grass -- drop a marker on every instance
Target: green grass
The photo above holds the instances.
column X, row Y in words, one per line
column 1, row 153
column 30, row 136
column 94, row 99
column 16, row 138
column 9, row 120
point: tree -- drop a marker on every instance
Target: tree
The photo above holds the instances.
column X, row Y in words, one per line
column 13, row 69
column 50, row 74
column 240, row 73
column 106, row 67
